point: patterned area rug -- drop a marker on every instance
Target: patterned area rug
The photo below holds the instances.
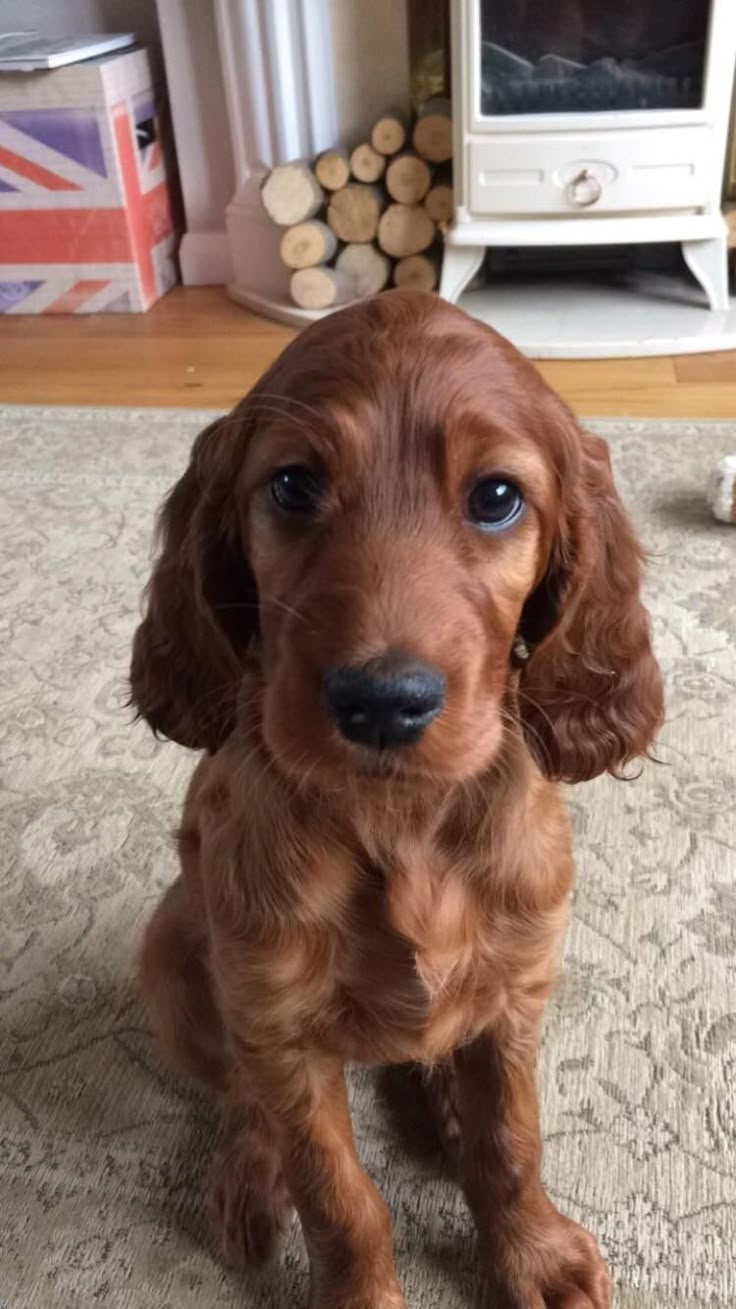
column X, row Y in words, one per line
column 101, row 1156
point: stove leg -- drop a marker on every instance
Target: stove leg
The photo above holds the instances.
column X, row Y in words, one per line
column 708, row 261
column 459, row 264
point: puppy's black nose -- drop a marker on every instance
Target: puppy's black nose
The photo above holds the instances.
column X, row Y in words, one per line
column 385, row 703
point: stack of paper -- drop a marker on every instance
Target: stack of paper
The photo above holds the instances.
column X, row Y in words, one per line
column 24, row 52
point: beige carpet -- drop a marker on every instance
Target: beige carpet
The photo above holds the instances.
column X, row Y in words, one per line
column 101, row 1155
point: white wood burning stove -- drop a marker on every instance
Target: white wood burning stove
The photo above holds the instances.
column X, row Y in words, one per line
column 591, row 122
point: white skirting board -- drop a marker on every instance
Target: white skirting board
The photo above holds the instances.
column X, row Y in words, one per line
column 205, row 259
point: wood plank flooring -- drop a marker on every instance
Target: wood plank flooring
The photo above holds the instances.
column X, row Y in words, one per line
column 196, row 348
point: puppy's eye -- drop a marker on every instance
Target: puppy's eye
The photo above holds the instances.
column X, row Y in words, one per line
column 494, row 504
column 296, row 489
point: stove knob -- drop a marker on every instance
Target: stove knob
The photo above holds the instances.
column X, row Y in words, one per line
column 584, row 189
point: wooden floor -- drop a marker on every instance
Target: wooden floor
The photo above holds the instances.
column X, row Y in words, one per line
column 197, row 348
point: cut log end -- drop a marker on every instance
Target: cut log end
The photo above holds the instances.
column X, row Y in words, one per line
column 368, row 268
column 405, row 230
column 321, row 288
column 440, row 204
column 388, row 135
column 291, row 194
column 307, row 244
column 408, row 179
column 354, row 212
column 433, row 132
column 366, row 164
column 332, row 169
column 417, row 273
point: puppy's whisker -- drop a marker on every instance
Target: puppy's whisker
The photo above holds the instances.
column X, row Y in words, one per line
column 261, row 603
column 288, row 401
column 527, row 730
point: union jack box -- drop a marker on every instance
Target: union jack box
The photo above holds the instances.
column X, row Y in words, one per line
column 86, row 220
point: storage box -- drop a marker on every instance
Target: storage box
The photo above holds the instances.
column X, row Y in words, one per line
column 85, row 211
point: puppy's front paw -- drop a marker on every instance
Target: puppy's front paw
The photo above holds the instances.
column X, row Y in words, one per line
column 249, row 1205
column 557, row 1266
column 370, row 1298
column 358, row 1281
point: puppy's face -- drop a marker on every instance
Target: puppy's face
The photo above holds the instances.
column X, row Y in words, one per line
column 395, row 527
column 397, row 501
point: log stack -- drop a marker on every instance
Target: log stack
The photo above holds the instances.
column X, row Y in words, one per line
column 355, row 222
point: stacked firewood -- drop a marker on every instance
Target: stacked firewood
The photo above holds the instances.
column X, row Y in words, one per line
column 356, row 222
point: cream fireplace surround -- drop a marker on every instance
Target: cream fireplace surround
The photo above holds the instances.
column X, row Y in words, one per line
column 252, row 83
column 267, row 72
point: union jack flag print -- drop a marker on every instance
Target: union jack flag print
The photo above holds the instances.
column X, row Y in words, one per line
column 85, row 217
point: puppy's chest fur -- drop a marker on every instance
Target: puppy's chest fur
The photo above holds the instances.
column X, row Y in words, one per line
column 389, row 941
column 423, row 966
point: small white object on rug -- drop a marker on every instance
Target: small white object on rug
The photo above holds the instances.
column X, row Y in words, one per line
column 722, row 490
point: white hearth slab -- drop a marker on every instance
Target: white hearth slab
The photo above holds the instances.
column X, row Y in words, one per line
column 282, row 311
column 559, row 318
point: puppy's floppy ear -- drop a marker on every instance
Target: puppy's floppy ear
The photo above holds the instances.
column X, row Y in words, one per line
column 591, row 692
column 201, row 603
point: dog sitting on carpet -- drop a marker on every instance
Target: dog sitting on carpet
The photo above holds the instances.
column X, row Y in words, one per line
column 396, row 602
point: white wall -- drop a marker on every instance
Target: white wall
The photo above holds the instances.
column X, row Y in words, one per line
column 198, row 110
column 371, row 53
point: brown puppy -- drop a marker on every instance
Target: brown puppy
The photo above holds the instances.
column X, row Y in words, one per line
column 397, row 600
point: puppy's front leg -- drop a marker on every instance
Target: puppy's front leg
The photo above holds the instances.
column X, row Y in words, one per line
column 538, row 1257
column 345, row 1221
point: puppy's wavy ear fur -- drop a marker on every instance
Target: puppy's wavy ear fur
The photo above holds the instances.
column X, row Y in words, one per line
column 591, row 693
column 200, row 606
